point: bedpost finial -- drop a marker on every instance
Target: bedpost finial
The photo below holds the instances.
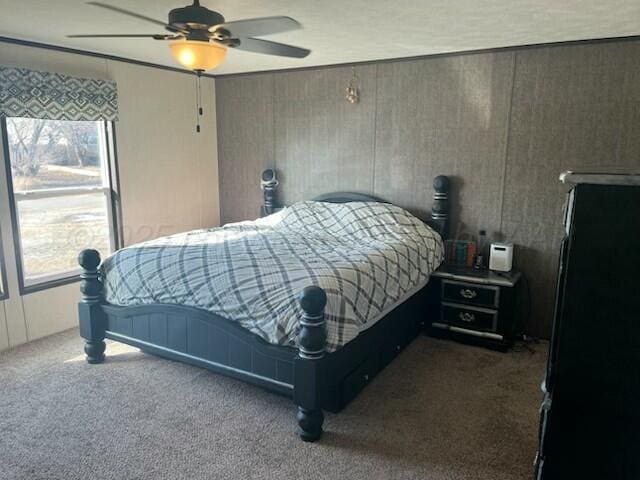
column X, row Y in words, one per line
column 441, row 184
column 312, row 336
column 313, row 300
column 269, row 184
column 440, row 207
column 90, row 285
column 89, row 259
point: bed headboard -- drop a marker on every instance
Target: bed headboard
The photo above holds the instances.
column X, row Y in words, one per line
column 345, row 197
column 440, row 207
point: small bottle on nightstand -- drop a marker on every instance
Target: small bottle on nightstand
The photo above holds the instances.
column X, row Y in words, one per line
column 481, row 249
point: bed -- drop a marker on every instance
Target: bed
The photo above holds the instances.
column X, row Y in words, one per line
column 297, row 302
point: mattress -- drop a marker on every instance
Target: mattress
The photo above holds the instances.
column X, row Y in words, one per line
column 367, row 256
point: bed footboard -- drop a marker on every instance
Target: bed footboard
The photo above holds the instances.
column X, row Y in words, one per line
column 233, row 351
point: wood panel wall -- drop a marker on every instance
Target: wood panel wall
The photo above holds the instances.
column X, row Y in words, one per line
column 503, row 125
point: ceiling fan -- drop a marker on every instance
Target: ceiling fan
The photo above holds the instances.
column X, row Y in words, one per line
column 199, row 37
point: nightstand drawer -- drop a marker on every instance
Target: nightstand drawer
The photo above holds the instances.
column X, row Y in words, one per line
column 485, row 295
column 470, row 317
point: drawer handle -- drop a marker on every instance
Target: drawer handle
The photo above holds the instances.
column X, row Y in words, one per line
column 466, row 317
column 468, row 293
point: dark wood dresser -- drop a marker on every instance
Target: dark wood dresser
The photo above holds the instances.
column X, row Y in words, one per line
column 590, row 415
column 476, row 306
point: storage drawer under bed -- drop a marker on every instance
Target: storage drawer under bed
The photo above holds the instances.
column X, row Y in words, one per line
column 356, row 380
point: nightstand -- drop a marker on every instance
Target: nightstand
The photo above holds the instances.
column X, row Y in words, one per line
column 476, row 306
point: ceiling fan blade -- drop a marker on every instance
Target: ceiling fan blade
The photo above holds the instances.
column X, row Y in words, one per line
column 256, row 27
column 270, row 48
column 135, row 15
column 130, row 35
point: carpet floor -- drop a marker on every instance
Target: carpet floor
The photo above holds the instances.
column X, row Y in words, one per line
column 440, row 411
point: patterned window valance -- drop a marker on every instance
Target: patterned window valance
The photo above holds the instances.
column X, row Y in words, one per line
column 53, row 96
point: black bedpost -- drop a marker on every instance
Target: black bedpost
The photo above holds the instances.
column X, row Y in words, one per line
column 308, row 365
column 269, row 184
column 440, row 207
column 92, row 319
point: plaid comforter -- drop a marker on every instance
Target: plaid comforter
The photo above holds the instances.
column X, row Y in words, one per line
column 367, row 257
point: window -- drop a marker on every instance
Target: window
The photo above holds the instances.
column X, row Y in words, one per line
column 59, row 177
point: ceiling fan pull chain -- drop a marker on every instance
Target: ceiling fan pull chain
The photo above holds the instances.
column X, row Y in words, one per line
column 198, row 101
column 200, row 111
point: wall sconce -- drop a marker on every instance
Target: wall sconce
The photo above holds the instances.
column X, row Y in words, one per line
column 353, row 90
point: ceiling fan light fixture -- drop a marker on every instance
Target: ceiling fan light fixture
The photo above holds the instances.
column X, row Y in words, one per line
column 197, row 55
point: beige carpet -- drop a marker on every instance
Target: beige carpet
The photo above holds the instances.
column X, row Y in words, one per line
column 441, row 410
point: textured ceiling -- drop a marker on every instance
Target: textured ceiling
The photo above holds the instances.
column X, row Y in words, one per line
column 336, row 31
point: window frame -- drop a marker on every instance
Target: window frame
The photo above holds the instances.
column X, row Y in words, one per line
column 4, row 286
column 110, row 191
